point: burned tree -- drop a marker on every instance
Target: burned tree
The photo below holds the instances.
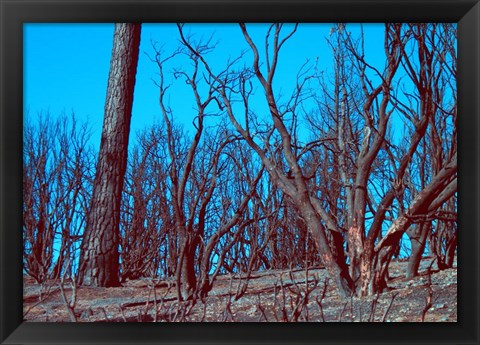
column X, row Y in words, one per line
column 99, row 259
column 370, row 208
column 203, row 219
column 56, row 188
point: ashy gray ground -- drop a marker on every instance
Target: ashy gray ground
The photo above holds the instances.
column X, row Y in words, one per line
column 269, row 296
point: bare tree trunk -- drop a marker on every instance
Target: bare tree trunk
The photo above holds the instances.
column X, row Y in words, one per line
column 338, row 270
column 418, row 239
column 99, row 259
column 186, row 266
column 450, row 255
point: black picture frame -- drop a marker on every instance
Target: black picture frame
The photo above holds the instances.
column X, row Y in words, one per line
column 15, row 13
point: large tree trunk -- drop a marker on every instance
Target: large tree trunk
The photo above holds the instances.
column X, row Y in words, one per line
column 374, row 271
column 186, row 268
column 375, row 262
column 418, row 239
column 338, row 270
column 99, row 259
column 450, row 254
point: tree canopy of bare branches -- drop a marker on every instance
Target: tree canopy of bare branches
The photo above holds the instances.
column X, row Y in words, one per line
column 337, row 170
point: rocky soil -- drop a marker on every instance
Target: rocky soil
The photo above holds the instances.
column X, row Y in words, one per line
column 269, row 296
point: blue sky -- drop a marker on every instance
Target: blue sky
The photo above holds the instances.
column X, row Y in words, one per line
column 66, row 66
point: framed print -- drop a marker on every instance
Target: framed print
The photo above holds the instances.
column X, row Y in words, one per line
column 244, row 172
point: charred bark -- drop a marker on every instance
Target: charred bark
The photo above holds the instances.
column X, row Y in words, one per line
column 99, row 259
column 418, row 239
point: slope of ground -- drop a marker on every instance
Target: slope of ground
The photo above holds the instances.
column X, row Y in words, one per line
column 268, row 296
